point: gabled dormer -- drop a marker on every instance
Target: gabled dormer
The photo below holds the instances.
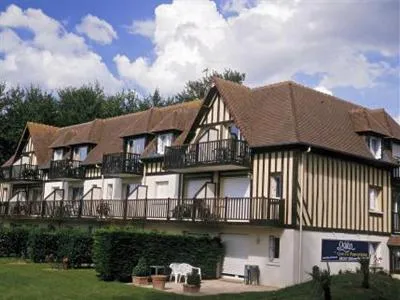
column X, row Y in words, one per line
column 214, row 140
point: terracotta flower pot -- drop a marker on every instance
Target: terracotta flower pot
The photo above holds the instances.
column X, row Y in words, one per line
column 189, row 288
column 159, row 281
column 140, row 280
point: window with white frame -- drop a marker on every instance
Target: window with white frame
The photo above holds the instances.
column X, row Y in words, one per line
column 375, row 146
column 375, row 198
column 80, row 153
column 396, row 150
column 135, row 145
column 164, row 140
column 276, row 185
column 58, row 154
column 274, row 247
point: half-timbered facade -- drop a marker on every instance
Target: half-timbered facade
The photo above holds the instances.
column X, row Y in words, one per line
column 276, row 172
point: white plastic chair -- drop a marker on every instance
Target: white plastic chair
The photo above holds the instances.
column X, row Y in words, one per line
column 175, row 271
column 186, row 269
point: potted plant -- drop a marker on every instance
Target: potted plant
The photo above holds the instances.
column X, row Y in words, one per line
column 159, row 281
column 140, row 273
column 193, row 283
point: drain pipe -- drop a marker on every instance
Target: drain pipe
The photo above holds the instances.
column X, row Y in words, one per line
column 300, row 263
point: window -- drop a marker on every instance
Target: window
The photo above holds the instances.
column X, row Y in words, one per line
column 109, row 191
column 375, row 200
column 77, row 193
column 5, row 194
column 58, row 154
column 396, row 150
column 276, row 185
column 375, row 146
column 274, row 247
column 234, row 131
column 164, row 140
column 80, row 153
column 135, row 145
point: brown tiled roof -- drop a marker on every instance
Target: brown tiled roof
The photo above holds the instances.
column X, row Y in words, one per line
column 42, row 136
column 289, row 113
column 384, row 118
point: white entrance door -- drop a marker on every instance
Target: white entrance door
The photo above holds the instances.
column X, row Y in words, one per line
column 236, row 254
column 237, row 189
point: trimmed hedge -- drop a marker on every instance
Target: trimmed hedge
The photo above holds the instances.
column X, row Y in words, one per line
column 36, row 244
column 71, row 243
column 13, row 242
column 117, row 251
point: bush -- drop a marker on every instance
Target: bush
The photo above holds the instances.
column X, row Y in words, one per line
column 13, row 242
column 74, row 244
column 322, row 281
column 364, row 263
column 194, row 279
column 141, row 269
column 116, row 251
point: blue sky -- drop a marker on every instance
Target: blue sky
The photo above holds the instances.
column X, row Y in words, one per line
column 342, row 47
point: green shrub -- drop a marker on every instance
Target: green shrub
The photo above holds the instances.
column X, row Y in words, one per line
column 194, row 279
column 74, row 244
column 13, row 242
column 141, row 269
column 116, row 251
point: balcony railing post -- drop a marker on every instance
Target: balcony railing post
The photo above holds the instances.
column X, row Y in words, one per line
column 281, row 211
column 226, row 209
column 43, row 209
column 145, row 208
column 80, row 207
column 125, row 208
column 193, row 209
column 168, row 205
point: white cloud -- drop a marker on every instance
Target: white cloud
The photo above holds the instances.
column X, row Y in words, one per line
column 97, row 29
column 269, row 41
column 324, row 90
column 145, row 28
column 52, row 58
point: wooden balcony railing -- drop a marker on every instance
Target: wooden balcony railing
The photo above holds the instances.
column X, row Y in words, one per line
column 220, row 152
column 66, row 168
column 122, row 163
column 20, row 172
column 396, row 222
column 240, row 210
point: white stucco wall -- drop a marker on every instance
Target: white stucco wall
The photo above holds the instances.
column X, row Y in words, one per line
column 51, row 185
column 173, row 185
column 312, row 243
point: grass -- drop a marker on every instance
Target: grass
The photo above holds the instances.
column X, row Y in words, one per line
column 19, row 280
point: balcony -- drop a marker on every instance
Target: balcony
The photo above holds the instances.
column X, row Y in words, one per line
column 227, row 154
column 122, row 164
column 66, row 169
column 20, row 173
column 258, row 211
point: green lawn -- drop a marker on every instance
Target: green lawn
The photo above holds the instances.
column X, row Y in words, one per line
column 38, row 281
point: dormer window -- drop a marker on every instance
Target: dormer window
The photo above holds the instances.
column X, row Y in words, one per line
column 80, row 153
column 58, row 154
column 375, row 146
column 136, row 145
column 164, row 140
column 396, row 151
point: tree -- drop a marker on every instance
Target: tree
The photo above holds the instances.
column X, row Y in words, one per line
column 17, row 107
column 79, row 105
column 197, row 89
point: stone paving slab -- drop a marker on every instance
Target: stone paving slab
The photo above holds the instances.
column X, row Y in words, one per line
column 218, row 286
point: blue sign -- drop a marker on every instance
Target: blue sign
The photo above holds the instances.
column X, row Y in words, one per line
column 344, row 250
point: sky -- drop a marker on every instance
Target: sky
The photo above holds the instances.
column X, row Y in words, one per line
column 346, row 48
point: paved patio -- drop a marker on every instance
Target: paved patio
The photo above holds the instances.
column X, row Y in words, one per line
column 217, row 286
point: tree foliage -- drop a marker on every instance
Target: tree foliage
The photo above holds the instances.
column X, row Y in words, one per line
column 72, row 105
